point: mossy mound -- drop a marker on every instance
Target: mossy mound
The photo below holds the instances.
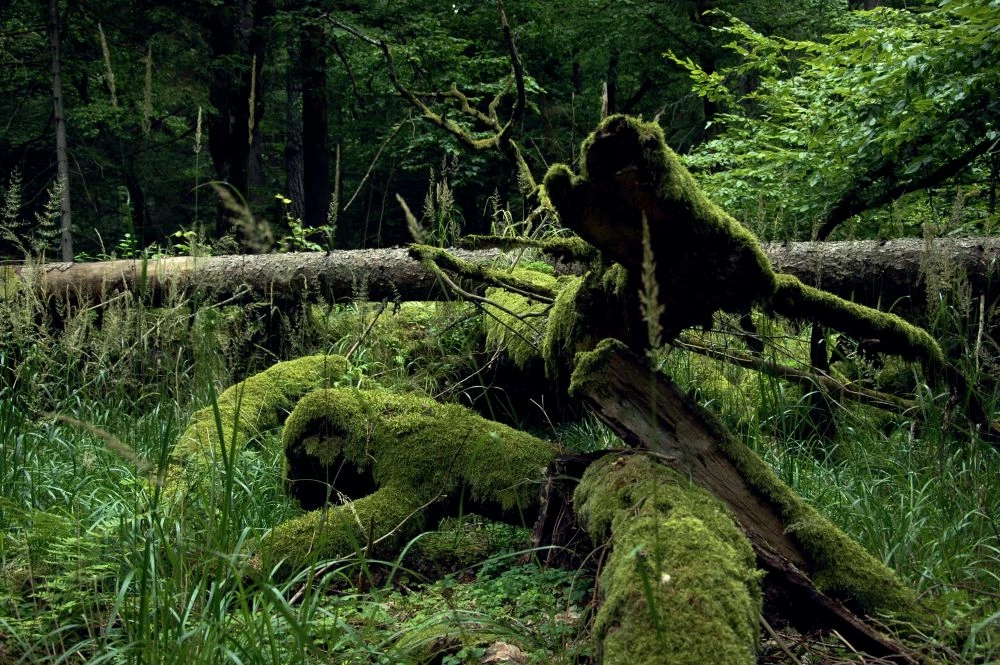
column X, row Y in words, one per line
column 388, row 457
column 246, row 411
column 680, row 584
column 461, row 544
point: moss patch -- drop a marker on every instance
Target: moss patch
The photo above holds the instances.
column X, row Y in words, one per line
column 521, row 338
column 416, row 452
column 680, row 584
column 246, row 410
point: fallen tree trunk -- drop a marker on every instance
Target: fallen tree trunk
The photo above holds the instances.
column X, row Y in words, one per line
column 377, row 274
column 811, row 565
column 894, row 274
column 888, row 275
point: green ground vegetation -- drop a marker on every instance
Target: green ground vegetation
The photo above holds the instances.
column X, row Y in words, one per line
column 95, row 563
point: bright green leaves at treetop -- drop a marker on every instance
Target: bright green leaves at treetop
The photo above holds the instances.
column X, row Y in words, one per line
column 816, row 133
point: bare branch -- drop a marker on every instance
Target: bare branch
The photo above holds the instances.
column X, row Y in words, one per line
column 378, row 153
column 807, row 379
column 517, row 114
column 501, row 137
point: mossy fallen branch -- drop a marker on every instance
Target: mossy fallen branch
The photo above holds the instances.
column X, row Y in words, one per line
column 246, row 412
column 434, row 258
column 384, row 457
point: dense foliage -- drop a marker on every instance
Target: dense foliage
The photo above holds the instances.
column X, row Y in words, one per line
column 293, row 111
column 286, row 125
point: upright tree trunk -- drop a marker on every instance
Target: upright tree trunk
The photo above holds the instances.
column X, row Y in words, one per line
column 294, row 184
column 315, row 155
column 258, row 45
column 706, row 60
column 65, row 224
column 230, row 131
column 611, row 84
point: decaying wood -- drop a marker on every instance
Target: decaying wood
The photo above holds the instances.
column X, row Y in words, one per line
column 336, row 276
column 894, row 275
column 557, row 537
column 889, row 275
column 647, row 410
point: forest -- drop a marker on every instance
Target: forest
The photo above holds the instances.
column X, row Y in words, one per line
column 562, row 331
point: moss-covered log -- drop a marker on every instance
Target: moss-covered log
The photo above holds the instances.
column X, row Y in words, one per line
column 679, row 584
column 705, row 261
column 811, row 564
column 387, row 463
column 244, row 414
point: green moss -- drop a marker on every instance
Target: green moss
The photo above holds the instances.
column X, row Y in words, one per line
column 520, row 337
column 562, row 331
column 589, row 363
column 793, row 298
column 460, row 544
column 401, row 328
column 247, row 410
column 680, row 583
column 411, row 446
column 376, row 523
column 841, row 567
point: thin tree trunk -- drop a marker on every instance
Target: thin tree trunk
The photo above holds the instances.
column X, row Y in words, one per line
column 236, row 33
column 294, row 187
column 316, row 156
column 611, row 84
column 62, row 158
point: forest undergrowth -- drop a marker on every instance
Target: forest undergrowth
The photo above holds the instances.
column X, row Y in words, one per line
column 95, row 566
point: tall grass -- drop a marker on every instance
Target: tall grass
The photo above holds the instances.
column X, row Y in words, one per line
column 97, row 566
column 917, row 489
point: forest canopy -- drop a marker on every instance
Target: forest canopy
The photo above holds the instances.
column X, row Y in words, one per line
column 796, row 119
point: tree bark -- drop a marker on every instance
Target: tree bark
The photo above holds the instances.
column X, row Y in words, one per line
column 315, row 155
column 62, row 158
column 337, row 276
column 888, row 275
column 893, row 275
column 294, row 183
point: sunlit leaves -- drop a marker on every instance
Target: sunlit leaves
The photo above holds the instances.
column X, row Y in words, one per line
column 865, row 112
